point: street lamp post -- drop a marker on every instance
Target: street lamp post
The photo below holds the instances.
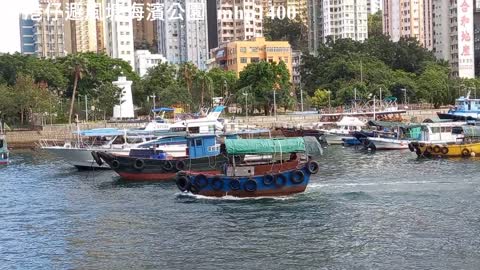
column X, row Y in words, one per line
column 404, row 96
column 246, row 105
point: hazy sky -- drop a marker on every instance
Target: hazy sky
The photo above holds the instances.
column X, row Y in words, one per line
column 9, row 29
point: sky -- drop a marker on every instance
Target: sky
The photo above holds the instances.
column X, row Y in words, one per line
column 9, row 28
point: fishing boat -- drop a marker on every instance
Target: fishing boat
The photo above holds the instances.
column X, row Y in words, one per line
column 466, row 145
column 342, row 130
column 152, row 164
column 397, row 135
column 465, row 108
column 287, row 172
column 4, row 153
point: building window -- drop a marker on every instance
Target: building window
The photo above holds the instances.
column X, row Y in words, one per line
column 243, row 60
column 243, row 49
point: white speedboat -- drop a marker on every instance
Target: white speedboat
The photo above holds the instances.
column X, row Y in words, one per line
column 343, row 130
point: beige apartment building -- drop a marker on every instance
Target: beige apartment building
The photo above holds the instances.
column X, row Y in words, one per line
column 239, row 20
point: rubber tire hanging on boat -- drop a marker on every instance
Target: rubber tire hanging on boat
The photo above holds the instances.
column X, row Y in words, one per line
column 183, row 183
column 268, row 179
column 180, row 165
column 97, row 159
column 465, row 152
column 167, row 165
column 280, row 180
column 429, row 149
column 444, row 150
column 313, row 167
column 410, row 147
column 436, row 149
column 235, row 184
column 115, row 164
column 200, row 181
column 139, row 164
column 217, row 183
column 297, row 177
column 251, row 185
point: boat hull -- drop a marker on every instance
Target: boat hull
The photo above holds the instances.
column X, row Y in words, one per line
column 286, row 182
column 445, row 150
column 386, row 144
column 159, row 170
column 335, row 139
column 458, row 116
column 81, row 158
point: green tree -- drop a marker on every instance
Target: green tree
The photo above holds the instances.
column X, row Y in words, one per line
column 108, row 96
column 77, row 66
column 433, row 84
column 375, row 25
column 294, row 31
column 204, row 84
column 186, row 74
column 320, row 98
column 223, row 81
column 264, row 78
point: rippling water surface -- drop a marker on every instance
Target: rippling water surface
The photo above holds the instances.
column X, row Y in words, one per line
column 385, row 210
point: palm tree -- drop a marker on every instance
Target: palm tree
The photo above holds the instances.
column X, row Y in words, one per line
column 77, row 65
column 188, row 71
column 205, row 83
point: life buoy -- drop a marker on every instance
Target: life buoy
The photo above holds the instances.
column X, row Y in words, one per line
column 297, row 177
column 436, row 149
column 95, row 156
column 235, row 184
column 217, row 183
column 139, row 164
column 444, row 150
column 410, row 147
column 280, row 180
column 465, row 152
column 183, row 183
column 268, row 179
column 251, row 185
column 313, row 167
column 167, row 165
column 115, row 164
column 180, row 165
column 200, row 181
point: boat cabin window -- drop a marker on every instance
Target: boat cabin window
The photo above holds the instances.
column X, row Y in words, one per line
column 119, row 140
column 1, row 143
column 178, row 129
column 134, row 140
column 194, row 129
column 435, row 129
column 197, row 142
column 457, row 130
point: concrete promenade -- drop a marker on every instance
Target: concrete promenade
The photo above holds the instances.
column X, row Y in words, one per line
column 29, row 139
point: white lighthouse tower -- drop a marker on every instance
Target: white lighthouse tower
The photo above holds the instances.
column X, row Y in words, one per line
column 125, row 107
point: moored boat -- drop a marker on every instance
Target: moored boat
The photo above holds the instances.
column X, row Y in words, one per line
column 467, row 145
column 152, row 164
column 343, row 130
column 287, row 172
column 465, row 108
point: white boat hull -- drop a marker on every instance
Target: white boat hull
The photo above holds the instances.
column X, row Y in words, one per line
column 389, row 144
column 335, row 139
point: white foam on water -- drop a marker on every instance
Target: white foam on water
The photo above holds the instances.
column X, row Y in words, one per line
column 378, row 184
column 232, row 198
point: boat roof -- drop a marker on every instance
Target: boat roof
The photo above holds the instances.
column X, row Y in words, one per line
column 394, row 124
column 264, row 146
column 350, row 121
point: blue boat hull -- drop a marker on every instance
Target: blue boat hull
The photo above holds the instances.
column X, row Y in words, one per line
column 269, row 185
column 350, row 141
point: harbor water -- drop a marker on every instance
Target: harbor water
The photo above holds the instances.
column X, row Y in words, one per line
column 383, row 210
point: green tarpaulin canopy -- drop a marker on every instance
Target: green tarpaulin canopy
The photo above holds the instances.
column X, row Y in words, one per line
column 264, row 146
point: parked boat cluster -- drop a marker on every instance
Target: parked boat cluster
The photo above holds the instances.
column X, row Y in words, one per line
column 206, row 159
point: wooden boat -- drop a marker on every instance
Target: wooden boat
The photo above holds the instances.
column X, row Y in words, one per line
column 466, row 146
column 203, row 154
column 287, row 172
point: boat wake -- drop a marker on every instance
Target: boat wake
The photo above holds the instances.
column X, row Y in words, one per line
column 314, row 186
column 230, row 198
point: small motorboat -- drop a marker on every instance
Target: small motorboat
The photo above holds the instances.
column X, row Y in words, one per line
column 287, row 172
column 343, row 130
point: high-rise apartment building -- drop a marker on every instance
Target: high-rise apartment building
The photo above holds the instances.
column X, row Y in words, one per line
column 336, row 20
column 212, row 24
column 373, row 6
column 239, row 20
column 27, row 40
column 407, row 18
column 286, row 9
column 182, row 36
column 49, row 28
column 118, row 31
column 453, row 35
column 145, row 30
column 83, row 30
